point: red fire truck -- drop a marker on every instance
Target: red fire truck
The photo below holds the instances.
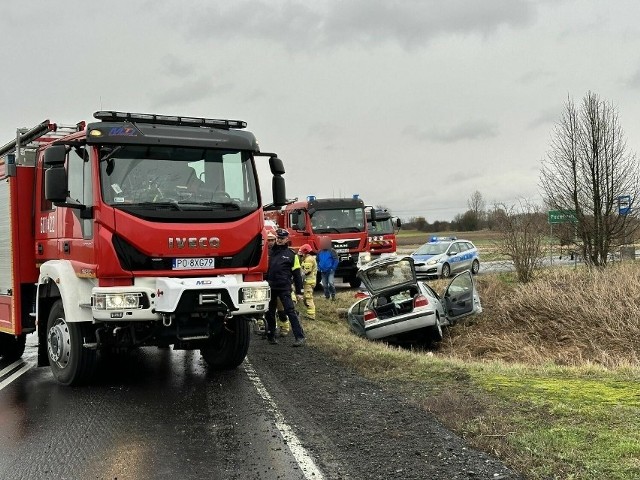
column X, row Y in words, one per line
column 134, row 230
column 343, row 220
column 382, row 233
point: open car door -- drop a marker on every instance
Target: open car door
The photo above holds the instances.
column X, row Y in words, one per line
column 461, row 298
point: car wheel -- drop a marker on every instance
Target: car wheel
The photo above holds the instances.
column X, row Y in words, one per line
column 435, row 331
column 70, row 362
column 228, row 349
column 446, row 271
column 11, row 346
column 475, row 267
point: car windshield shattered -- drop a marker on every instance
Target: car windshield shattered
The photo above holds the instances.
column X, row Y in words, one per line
column 388, row 274
column 341, row 220
column 184, row 178
column 432, row 249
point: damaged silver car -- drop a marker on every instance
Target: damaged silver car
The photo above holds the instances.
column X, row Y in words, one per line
column 397, row 305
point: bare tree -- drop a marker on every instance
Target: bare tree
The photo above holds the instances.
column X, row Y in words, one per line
column 522, row 230
column 587, row 169
column 477, row 206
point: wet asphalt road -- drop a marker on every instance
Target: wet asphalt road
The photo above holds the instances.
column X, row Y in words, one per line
column 157, row 414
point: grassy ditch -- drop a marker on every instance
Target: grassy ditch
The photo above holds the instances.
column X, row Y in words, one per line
column 551, row 387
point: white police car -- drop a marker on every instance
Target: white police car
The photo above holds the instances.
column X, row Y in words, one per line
column 443, row 256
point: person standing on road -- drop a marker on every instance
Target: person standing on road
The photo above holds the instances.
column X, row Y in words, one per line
column 310, row 271
column 327, row 260
column 283, row 266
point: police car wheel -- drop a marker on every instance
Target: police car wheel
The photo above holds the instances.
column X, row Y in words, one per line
column 446, row 271
column 475, row 267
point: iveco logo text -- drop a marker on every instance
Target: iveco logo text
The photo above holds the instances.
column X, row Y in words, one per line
column 193, row 242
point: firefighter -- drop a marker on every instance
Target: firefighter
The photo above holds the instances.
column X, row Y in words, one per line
column 284, row 266
column 310, row 272
column 262, row 327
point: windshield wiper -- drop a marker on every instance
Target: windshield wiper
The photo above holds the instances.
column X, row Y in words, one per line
column 227, row 205
column 326, row 230
column 351, row 229
column 173, row 205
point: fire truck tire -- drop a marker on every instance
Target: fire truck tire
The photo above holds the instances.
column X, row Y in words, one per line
column 354, row 282
column 228, row 349
column 70, row 362
column 11, row 346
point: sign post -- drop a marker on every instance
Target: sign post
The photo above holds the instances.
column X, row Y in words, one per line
column 559, row 216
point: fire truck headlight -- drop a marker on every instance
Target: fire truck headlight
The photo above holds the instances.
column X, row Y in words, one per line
column 117, row 301
column 255, row 295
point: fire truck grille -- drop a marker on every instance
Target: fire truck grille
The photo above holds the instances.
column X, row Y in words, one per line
column 342, row 244
column 133, row 259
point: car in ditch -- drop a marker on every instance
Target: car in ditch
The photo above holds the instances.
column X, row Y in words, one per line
column 442, row 257
column 397, row 304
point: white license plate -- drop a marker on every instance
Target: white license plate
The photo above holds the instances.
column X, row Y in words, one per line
column 200, row 263
column 342, row 250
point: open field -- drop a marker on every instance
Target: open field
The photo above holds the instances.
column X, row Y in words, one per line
column 546, row 378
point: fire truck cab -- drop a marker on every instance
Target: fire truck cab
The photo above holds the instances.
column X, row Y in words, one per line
column 382, row 233
column 134, row 230
column 343, row 220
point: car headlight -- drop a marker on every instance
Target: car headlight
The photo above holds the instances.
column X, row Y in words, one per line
column 255, row 295
column 433, row 262
column 117, row 301
column 365, row 257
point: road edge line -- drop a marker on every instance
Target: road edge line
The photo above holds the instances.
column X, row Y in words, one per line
column 11, row 367
column 303, row 458
column 17, row 374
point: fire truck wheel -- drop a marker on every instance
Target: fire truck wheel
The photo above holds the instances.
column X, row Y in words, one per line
column 11, row 346
column 70, row 362
column 228, row 349
column 355, row 282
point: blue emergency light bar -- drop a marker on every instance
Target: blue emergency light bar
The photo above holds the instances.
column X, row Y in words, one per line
column 442, row 239
column 113, row 116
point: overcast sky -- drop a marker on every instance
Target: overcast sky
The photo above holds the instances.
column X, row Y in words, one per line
column 411, row 104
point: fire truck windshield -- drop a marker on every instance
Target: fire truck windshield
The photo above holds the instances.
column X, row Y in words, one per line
column 181, row 178
column 382, row 227
column 338, row 220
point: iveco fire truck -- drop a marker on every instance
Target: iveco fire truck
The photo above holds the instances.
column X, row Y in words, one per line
column 133, row 230
column 382, row 233
column 342, row 220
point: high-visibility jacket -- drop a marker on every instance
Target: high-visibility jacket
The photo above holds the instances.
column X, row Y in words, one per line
column 309, row 268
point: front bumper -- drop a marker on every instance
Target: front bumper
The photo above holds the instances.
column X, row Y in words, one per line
column 227, row 294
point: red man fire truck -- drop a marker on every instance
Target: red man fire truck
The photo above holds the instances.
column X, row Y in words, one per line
column 382, row 233
column 133, row 230
column 343, row 220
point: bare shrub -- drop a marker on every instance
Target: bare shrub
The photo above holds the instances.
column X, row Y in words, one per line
column 566, row 317
column 522, row 228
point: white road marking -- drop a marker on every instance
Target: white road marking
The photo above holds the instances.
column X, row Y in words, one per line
column 6, row 370
column 23, row 370
column 302, row 457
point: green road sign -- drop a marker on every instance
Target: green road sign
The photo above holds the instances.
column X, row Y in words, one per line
column 562, row 216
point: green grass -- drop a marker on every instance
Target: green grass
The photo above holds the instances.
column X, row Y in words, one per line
column 546, row 421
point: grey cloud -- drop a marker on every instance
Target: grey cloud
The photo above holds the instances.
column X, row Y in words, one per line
column 534, row 76
column 188, row 92
column 177, row 66
column 545, row 118
column 471, row 130
column 634, row 80
column 409, row 23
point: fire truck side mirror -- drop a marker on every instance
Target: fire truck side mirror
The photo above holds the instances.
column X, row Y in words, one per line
column 54, row 155
column 56, row 188
column 398, row 223
column 279, row 191
column 276, row 165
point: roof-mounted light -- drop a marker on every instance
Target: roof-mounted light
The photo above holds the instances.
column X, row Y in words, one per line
column 113, row 116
